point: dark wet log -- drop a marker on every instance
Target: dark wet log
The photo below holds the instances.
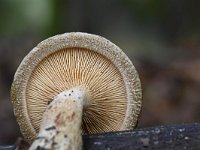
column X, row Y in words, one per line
column 179, row 137
column 185, row 136
column 8, row 147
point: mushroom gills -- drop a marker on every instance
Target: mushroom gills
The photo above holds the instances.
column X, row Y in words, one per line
column 61, row 123
column 72, row 67
column 112, row 96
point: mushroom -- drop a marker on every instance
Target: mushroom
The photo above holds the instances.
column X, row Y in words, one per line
column 73, row 84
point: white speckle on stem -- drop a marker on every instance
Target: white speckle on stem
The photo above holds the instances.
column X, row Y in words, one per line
column 61, row 124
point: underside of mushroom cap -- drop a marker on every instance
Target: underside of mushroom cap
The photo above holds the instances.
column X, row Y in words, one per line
column 78, row 59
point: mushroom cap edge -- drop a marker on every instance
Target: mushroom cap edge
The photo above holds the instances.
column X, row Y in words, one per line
column 83, row 40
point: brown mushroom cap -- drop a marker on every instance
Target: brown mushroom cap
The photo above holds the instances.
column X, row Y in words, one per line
column 73, row 59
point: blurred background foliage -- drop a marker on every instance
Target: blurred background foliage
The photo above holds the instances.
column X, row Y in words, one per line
column 162, row 38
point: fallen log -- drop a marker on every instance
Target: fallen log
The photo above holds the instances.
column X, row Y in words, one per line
column 185, row 136
column 179, row 137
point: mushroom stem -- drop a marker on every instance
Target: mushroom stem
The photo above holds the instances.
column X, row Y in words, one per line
column 61, row 123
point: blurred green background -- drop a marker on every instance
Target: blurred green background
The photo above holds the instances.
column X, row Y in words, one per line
column 162, row 38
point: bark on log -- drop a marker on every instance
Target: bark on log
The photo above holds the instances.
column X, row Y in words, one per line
column 185, row 136
column 178, row 137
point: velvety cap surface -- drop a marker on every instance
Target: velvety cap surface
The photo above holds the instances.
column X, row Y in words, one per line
column 73, row 59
